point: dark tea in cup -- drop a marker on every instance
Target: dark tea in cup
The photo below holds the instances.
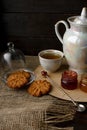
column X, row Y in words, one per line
column 51, row 56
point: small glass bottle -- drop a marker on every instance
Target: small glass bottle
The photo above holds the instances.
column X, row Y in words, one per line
column 69, row 80
column 83, row 82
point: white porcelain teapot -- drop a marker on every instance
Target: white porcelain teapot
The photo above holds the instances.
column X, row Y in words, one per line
column 75, row 41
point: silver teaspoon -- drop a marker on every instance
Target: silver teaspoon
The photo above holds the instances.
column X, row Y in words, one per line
column 80, row 107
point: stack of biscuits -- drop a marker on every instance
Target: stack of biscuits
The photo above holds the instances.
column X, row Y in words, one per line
column 19, row 79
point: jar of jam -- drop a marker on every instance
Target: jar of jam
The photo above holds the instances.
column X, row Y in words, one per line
column 69, row 80
column 83, row 82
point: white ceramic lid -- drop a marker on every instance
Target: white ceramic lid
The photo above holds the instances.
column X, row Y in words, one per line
column 82, row 19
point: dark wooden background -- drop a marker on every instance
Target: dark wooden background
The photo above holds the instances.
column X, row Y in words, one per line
column 30, row 23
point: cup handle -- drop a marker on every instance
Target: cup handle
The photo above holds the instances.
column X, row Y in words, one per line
column 57, row 29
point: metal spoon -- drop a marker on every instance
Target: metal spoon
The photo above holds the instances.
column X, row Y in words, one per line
column 80, row 107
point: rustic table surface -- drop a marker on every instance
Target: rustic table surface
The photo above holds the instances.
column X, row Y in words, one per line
column 21, row 111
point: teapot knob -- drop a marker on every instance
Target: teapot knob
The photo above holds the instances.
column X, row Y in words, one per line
column 84, row 13
column 10, row 46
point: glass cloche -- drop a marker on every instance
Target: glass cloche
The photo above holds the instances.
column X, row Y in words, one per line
column 12, row 58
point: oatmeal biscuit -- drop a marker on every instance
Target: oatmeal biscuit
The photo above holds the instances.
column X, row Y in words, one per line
column 39, row 88
column 25, row 73
column 18, row 79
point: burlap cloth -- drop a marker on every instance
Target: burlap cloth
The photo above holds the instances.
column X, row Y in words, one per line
column 21, row 111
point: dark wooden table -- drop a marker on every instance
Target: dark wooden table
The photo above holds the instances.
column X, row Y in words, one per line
column 21, row 110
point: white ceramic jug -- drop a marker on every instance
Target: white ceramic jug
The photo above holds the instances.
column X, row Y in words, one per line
column 75, row 41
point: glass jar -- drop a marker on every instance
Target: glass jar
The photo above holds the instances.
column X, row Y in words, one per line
column 83, row 82
column 69, row 80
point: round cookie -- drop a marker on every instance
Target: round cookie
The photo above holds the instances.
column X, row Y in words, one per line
column 18, row 79
column 39, row 88
column 25, row 73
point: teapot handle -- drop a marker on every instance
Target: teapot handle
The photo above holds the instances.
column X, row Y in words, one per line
column 57, row 30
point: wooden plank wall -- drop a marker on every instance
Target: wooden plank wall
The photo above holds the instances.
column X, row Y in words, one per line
column 30, row 23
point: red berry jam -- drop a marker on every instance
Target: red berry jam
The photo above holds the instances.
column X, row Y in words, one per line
column 69, row 80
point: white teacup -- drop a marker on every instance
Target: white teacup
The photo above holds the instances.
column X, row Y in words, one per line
column 51, row 59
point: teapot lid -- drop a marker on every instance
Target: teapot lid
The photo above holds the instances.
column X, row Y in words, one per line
column 82, row 19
